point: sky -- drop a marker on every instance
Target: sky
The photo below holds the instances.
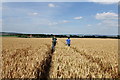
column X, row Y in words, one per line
column 60, row 17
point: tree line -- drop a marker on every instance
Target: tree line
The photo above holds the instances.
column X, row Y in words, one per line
column 63, row 36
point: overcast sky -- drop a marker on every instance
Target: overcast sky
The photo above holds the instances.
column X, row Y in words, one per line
column 61, row 17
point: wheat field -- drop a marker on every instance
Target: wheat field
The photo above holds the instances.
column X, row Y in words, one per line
column 21, row 56
column 85, row 58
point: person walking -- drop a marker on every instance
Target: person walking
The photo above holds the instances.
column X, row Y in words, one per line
column 54, row 41
column 68, row 41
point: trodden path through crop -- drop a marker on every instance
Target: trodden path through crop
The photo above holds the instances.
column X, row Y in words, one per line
column 43, row 70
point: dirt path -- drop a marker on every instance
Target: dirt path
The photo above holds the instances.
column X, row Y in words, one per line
column 43, row 70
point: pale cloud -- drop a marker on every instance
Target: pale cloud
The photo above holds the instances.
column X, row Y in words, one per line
column 59, row 0
column 58, row 23
column 96, row 1
column 52, row 23
column 105, row 1
column 65, row 21
column 51, row 5
column 106, row 15
column 78, row 18
column 89, row 25
column 110, row 23
column 107, row 19
column 43, row 0
column 33, row 14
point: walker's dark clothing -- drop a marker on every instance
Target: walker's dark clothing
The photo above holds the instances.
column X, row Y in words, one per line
column 68, row 44
column 54, row 40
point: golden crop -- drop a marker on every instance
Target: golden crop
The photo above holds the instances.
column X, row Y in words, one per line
column 86, row 58
column 22, row 56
